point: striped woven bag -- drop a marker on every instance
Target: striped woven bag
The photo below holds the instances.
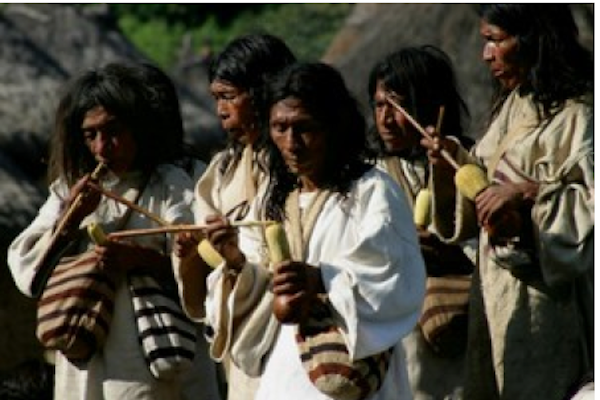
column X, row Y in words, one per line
column 325, row 358
column 75, row 308
column 321, row 345
column 444, row 315
column 167, row 336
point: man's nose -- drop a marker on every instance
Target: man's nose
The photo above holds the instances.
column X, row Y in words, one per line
column 386, row 115
column 291, row 141
column 222, row 110
column 102, row 143
column 488, row 52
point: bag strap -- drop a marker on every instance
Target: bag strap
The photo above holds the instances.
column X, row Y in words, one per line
column 300, row 226
column 52, row 258
column 125, row 218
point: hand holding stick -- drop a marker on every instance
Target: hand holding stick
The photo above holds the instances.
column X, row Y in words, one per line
column 66, row 219
column 53, row 254
column 421, row 130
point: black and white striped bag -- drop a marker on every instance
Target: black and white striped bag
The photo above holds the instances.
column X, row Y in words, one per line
column 167, row 335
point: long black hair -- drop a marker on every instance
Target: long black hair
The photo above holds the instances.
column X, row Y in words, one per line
column 125, row 90
column 559, row 67
column 424, row 76
column 323, row 94
column 248, row 63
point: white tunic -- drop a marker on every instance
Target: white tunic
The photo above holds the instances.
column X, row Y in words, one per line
column 228, row 193
column 367, row 249
column 119, row 371
column 531, row 319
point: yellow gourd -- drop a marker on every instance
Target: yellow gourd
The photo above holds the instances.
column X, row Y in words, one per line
column 279, row 250
column 422, row 210
column 96, row 233
column 209, row 254
column 470, row 180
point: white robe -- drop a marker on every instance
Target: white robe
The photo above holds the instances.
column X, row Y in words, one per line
column 227, row 193
column 367, row 249
column 119, row 371
column 531, row 328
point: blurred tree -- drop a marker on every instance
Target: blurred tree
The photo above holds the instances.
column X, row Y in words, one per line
column 166, row 31
column 188, row 15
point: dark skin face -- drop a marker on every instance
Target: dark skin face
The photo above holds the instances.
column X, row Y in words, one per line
column 301, row 141
column 110, row 143
column 396, row 132
column 500, row 51
column 236, row 113
column 109, row 140
column 493, row 204
column 234, row 109
column 113, row 144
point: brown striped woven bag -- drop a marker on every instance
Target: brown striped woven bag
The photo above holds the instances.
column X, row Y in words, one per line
column 325, row 358
column 321, row 345
column 75, row 309
column 444, row 315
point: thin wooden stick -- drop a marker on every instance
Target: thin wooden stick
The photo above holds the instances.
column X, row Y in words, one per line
column 155, row 231
column 440, row 120
column 166, row 227
column 423, row 132
column 51, row 256
column 130, row 204
column 100, row 168
column 179, row 228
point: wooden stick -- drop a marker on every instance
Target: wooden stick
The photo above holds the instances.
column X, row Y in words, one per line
column 166, row 227
column 423, row 132
column 100, row 168
column 130, row 204
column 438, row 126
column 52, row 255
column 155, row 231
column 178, row 228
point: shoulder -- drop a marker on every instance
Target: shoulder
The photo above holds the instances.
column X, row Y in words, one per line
column 578, row 109
column 376, row 177
column 59, row 188
column 573, row 124
column 218, row 157
column 379, row 184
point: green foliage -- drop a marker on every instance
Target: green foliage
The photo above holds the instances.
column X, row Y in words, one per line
column 188, row 15
column 159, row 29
column 158, row 40
column 306, row 28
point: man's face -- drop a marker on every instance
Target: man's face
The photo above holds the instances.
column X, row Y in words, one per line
column 234, row 109
column 395, row 131
column 500, row 51
column 109, row 140
column 300, row 139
